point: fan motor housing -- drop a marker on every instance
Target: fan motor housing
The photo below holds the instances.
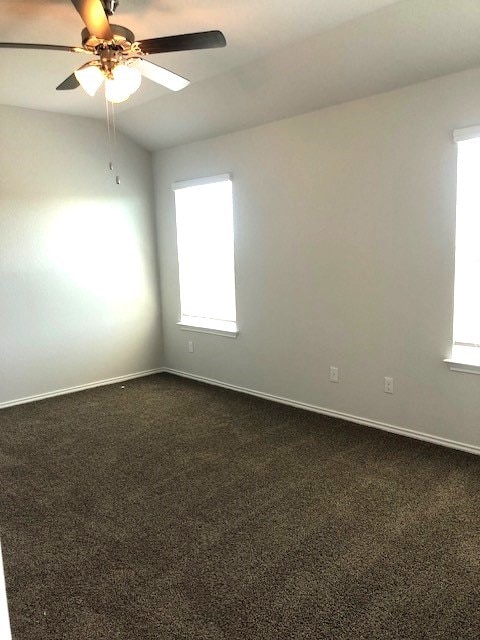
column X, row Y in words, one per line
column 123, row 39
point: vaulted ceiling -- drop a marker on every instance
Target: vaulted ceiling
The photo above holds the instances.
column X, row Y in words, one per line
column 283, row 57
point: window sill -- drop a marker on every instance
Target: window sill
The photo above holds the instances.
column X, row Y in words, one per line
column 465, row 359
column 455, row 364
column 227, row 333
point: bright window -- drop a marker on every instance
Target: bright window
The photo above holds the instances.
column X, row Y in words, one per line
column 204, row 213
column 466, row 326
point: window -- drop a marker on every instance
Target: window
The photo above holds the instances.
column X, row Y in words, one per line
column 204, row 213
column 466, row 325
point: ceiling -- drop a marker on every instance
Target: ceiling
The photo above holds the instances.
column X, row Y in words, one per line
column 283, row 58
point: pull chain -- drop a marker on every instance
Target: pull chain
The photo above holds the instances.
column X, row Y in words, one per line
column 112, row 139
column 107, row 111
column 115, row 150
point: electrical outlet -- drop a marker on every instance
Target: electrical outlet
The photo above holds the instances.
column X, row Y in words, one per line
column 190, row 346
column 388, row 388
column 333, row 374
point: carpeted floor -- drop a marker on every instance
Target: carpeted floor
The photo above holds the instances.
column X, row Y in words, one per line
column 166, row 509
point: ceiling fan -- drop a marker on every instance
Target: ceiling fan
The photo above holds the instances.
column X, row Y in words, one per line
column 119, row 60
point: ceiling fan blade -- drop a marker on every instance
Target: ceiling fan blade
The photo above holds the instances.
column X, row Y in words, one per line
column 183, row 42
column 160, row 75
column 94, row 16
column 48, row 47
column 70, row 83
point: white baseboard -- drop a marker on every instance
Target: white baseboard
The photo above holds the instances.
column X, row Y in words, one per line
column 410, row 433
column 80, row 387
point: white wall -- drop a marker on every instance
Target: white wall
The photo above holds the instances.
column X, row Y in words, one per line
column 344, row 222
column 78, row 273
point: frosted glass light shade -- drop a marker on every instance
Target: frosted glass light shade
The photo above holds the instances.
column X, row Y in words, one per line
column 126, row 80
column 127, row 77
column 90, row 78
column 115, row 92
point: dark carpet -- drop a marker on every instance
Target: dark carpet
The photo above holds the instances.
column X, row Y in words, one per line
column 167, row 509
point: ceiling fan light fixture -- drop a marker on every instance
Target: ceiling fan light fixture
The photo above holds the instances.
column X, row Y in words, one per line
column 128, row 77
column 114, row 92
column 121, row 63
column 124, row 82
column 90, row 77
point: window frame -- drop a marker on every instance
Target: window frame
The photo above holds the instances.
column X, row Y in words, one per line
column 225, row 330
column 464, row 358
